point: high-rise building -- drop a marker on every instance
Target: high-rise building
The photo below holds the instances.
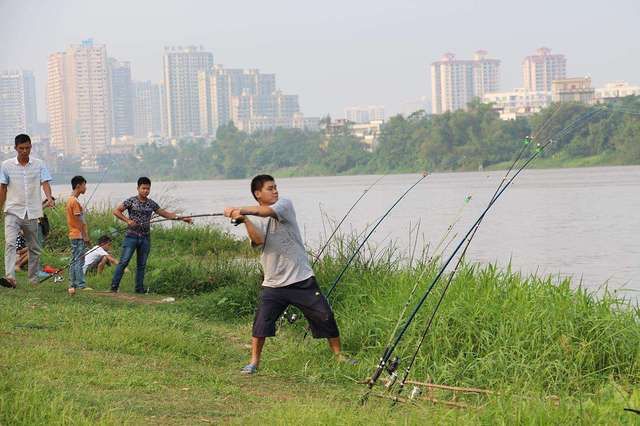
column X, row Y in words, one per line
column 147, row 109
column 122, row 97
column 539, row 70
column 486, row 74
column 180, row 71
column 285, row 106
column 17, row 104
column 79, row 99
column 164, row 121
column 364, row 114
column 454, row 83
column 215, row 90
column 247, row 98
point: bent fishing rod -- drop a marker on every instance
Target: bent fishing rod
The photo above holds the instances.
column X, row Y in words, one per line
column 468, row 237
column 366, row 238
column 127, row 228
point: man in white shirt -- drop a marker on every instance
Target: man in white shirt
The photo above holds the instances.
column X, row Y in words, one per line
column 20, row 182
column 288, row 277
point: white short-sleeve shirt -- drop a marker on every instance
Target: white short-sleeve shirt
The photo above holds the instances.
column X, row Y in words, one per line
column 24, row 198
column 93, row 255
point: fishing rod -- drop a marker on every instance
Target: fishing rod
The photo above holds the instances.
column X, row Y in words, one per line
column 458, row 216
column 390, row 349
column 393, row 365
column 363, row 242
column 448, row 283
column 425, row 269
column 118, row 231
column 468, row 237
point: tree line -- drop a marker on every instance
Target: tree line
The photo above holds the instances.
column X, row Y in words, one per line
column 462, row 140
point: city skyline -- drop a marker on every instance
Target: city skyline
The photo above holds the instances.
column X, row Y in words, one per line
column 378, row 54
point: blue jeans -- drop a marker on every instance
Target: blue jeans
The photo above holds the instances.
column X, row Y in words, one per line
column 77, row 262
column 142, row 246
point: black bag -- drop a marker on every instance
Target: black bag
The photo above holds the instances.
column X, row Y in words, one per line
column 43, row 223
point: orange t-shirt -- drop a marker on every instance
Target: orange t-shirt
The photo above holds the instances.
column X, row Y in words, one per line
column 75, row 219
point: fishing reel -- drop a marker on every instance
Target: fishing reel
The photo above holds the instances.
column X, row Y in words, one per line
column 290, row 317
column 392, row 369
column 415, row 392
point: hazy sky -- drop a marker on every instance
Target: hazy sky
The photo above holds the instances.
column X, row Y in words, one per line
column 332, row 53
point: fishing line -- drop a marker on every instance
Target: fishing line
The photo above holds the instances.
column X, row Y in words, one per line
column 335, row 230
column 366, row 238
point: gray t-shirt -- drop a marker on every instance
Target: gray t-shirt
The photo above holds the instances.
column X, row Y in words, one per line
column 284, row 259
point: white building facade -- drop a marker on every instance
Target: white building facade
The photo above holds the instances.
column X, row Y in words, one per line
column 615, row 90
column 517, row 103
column 18, row 111
column 455, row 83
column 79, row 99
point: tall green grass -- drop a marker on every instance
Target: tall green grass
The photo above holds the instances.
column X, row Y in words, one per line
column 527, row 337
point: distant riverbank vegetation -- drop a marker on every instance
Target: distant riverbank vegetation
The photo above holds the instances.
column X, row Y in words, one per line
column 455, row 141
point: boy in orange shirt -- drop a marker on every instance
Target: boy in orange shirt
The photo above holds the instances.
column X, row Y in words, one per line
column 78, row 234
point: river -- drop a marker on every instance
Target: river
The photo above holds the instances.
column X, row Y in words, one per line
column 567, row 222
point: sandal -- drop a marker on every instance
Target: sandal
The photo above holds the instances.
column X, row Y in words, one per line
column 7, row 282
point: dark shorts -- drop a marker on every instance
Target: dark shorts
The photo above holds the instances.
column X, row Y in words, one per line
column 304, row 295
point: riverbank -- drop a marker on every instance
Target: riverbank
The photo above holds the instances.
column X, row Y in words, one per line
column 96, row 358
column 558, row 161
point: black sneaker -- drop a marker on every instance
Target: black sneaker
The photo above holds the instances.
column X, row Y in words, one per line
column 114, row 290
column 141, row 291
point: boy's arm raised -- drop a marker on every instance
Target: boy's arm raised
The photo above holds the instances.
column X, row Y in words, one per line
column 238, row 214
column 262, row 211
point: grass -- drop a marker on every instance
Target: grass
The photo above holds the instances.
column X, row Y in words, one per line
column 100, row 359
column 564, row 160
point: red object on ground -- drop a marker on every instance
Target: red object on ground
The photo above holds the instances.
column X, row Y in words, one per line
column 50, row 269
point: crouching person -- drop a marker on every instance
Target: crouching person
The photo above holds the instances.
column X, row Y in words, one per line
column 288, row 277
column 99, row 256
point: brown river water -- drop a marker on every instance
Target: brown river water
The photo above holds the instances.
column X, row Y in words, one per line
column 582, row 223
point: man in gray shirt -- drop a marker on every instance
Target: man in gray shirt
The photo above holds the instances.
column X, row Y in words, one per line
column 288, row 277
